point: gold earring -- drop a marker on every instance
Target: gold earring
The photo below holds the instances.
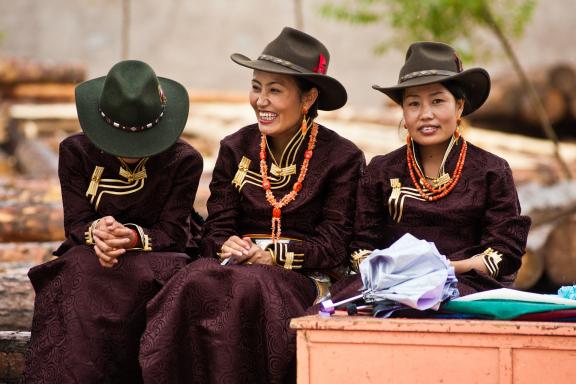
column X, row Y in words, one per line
column 457, row 132
column 304, row 125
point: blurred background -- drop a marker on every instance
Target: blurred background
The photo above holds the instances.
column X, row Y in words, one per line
column 47, row 47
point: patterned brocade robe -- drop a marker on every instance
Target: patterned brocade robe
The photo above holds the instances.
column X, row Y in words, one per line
column 481, row 214
column 88, row 319
column 246, row 309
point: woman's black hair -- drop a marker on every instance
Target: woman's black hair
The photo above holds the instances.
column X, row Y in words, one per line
column 305, row 86
column 456, row 90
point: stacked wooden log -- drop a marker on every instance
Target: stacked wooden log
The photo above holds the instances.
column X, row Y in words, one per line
column 39, row 81
column 509, row 108
column 551, row 249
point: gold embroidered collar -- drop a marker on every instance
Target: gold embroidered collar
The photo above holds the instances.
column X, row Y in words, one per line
column 280, row 171
column 132, row 181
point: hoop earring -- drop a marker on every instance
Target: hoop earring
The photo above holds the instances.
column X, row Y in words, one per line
column 304, row 125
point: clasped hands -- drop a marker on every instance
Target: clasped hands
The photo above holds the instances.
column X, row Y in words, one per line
column 111, row 239
column 244, row 251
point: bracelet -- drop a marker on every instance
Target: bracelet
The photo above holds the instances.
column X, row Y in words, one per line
column 89, row 234
column 134, row 242
column 144, row 242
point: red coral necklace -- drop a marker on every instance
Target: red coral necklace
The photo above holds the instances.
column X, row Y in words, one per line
column 436, row 193
column 291, row 196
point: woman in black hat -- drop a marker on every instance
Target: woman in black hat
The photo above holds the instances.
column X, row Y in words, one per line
column 128, row 185
column 438, row 187
column 279, row 216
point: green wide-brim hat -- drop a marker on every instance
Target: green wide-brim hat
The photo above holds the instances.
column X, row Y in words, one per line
column 430, row 62
column 298, row 54
column 131, row 112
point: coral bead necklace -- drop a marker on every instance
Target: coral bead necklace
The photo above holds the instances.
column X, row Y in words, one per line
column 289, row 197
column 436, row 193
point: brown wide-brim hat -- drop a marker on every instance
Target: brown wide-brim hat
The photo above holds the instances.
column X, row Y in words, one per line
column 431, row 62
column 298, row 54
column 131, row 112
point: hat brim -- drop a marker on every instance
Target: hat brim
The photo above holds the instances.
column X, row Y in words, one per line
column 332, row 94
column 132, row 144
column 474, row 81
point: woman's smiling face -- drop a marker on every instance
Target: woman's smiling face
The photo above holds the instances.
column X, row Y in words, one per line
column 278, row 103
column 431, row 113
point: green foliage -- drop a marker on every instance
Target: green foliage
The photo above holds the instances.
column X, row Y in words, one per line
column 456, row 22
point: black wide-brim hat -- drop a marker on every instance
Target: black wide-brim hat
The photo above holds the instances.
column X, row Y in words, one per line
column 131, row 112
column 298, row 54
column 432, row 62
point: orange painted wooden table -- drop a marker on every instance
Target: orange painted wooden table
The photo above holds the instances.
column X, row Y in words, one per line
column 357, row 349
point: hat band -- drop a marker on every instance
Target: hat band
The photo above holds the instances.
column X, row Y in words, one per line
column 429, row 72
column 125, row 128
column 284, row 63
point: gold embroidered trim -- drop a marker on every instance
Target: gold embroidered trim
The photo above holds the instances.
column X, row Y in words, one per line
column 145, row 240
column 243, row 166
column 89, row 234
column 133, row 183
column 397, row 197
column 94, row 182
column 323, row 285
column 492, row 260
column 284, row 258
column 280, row 173
column 357, row 257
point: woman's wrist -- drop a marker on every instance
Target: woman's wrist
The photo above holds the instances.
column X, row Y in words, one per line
column 474, row 262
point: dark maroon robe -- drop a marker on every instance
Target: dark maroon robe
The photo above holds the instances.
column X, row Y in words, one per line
column 481, row 212
column 230, row 324
column 88, row 319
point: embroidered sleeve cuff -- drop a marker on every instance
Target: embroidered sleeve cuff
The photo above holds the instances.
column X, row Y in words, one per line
column 89, row 234
column 357, row 257
column 284, row 258
column 144, row 242
column 492, row 260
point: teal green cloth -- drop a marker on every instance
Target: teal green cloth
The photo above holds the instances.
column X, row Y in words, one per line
column 500, row 309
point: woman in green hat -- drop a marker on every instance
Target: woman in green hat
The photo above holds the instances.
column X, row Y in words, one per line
column 439, row 187
column 128, row 185
column 279, row 216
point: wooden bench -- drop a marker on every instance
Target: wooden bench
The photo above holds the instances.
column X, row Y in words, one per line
column 358, row 349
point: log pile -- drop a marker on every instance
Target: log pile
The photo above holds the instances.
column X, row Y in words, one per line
column 551, row 248
column 509, row 109
column 35, row 81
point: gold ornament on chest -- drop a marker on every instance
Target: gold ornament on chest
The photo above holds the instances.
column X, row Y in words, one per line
column 133, row 176
column 437, row 182
column 282, row 172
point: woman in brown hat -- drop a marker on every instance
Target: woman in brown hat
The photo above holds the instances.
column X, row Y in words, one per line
column 438, row 187
column 280, row 218
column 128, row 185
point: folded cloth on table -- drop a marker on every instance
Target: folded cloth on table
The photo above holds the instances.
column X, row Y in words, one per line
column 515, row 295
column 501, row 309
